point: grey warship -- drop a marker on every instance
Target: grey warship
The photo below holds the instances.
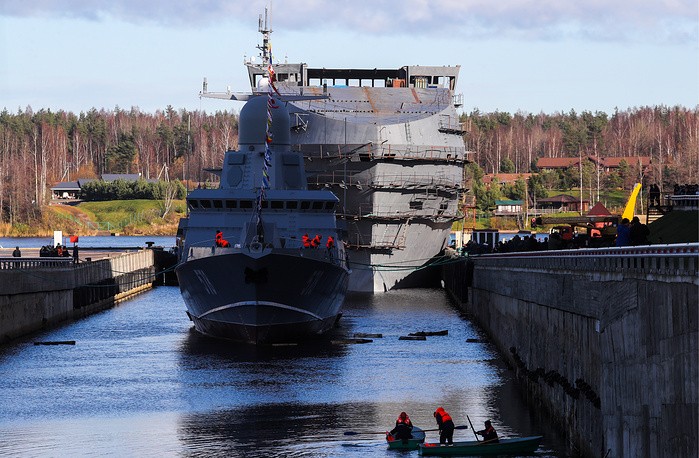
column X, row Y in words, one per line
column 389, row 143
column 243, row 271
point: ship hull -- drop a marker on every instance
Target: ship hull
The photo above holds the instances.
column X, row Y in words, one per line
column 267, row 299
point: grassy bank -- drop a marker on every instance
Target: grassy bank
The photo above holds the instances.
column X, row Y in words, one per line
column 126, row 217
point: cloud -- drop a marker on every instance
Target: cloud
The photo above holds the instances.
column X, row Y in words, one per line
column 619, row 20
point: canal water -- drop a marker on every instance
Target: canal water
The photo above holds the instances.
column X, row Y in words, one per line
column 139, row 381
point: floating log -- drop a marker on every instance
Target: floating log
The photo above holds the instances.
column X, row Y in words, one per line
column 476, row 340
column 412, row 337
column 350, row 341
column 430, row 333
column 367, row 335
column 56, row 342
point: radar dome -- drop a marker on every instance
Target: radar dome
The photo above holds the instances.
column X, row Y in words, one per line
column 253, row 122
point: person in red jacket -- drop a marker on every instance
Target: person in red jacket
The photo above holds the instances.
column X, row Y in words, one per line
column 315, row 243
column 306, row 241
column 446, row 426
column 403, row 429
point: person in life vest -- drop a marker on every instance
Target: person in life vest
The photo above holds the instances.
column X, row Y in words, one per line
column 306, row 241
column 330, row 244
column 220, row 241
column 489, row 434
column 315, row 243
column 446, row 426
column 403, row 429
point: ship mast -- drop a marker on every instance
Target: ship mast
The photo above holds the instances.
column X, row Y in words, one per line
column 265, row 28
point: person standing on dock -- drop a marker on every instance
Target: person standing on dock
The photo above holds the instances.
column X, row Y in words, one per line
column 623, row 233
column 75, row 254
column 446, row 426
column 17, row 253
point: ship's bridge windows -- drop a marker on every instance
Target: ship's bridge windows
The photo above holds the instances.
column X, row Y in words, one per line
column 305, row 205
column 317, row 205
column 193, row 203
column 205, row 203
column 292, row 204
column 218, row 203
column 231, row 204
column 329, row 205
column 277, row 204
column 246, row 204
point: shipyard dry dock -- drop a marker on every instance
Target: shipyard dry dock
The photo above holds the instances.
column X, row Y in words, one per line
column 605, row 340
column 38, row 293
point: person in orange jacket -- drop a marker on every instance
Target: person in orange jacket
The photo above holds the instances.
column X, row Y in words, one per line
column 446, row 426
column 306, row 241
column 330, row 244
column 315, row 243
column 403, row 429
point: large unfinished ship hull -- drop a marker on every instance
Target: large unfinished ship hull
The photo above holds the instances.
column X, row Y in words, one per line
column 399, row 189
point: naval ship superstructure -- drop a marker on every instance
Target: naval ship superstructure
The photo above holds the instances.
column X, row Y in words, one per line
column 244, row 271
column 388, row 142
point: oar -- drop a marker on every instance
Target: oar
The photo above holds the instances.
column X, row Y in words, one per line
column 455, row 427
column 355, row 433
column 473, row 429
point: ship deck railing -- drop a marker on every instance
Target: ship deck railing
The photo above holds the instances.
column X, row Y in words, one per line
column 399, row 181
column 368, row 152
column 372, row 213
column 8, row 263
column 334, row 255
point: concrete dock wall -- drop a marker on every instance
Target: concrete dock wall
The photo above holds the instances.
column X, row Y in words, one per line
column 605, row 340
column 37, row 294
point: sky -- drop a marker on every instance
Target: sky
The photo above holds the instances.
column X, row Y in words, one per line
column 516, row 55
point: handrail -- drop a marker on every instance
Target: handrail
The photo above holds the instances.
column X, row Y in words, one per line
column 675, row 249
column 11, row 263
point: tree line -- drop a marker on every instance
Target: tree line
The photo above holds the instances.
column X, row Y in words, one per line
column 504, row 142
column 39, row 149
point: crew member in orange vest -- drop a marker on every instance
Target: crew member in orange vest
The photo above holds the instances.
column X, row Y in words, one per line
column 315, row 243
column 446, row 426
column 220, row 241
column 330, row 244
column 306, row 241
column 403, row 429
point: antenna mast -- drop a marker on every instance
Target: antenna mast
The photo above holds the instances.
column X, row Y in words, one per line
column 265, row 28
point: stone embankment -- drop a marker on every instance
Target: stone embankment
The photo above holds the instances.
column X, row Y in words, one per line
column 38, row 293
column 604, row 340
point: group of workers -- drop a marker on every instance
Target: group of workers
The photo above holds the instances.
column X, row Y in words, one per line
column 316, row 241
column 404, row 428
column 307, row 241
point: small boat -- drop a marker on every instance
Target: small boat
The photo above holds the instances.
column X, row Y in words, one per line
column 410, row 444
column 513, row 446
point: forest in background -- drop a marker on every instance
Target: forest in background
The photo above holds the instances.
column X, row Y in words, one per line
column 39, row 149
